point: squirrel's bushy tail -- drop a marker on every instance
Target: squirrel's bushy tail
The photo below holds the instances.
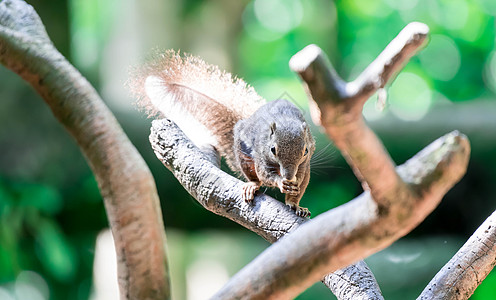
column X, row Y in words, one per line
column 202, row 100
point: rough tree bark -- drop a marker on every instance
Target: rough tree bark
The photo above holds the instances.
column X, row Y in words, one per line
column 125, row 182
column 395, row 201
column 400, row 199
column 219, row 193
column 435, row 168
column 459, row 278
column 354, row 230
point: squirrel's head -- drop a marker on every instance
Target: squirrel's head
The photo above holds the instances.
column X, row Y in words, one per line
column 290, row 145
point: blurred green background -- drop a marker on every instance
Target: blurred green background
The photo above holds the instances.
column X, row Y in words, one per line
column 50, row 208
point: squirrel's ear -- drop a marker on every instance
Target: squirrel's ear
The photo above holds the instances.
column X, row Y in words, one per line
column 272, row 128
column 304, row 126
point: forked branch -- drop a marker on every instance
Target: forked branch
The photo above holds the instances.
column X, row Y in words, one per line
column 354, row 230
column 337, row 106
column 395, row 201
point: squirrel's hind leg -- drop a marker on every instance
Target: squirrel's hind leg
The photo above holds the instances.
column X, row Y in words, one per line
column 247, row 166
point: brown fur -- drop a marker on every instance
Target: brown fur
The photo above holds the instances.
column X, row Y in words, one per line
column 210, row 95
column 220, row 120
column 192, row 72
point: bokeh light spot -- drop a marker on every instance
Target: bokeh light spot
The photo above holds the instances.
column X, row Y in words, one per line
column 490, row 71
column 319, row 15
column 474, row 28
column 452, row 14
column 30, row 285
column 279, row 15
column 255, row 29
column 5, row 295
column 402, row 4
column 441, row 59
column 489, row 6
column 409, row 97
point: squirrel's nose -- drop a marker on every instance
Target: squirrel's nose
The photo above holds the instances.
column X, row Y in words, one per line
column 289, row 174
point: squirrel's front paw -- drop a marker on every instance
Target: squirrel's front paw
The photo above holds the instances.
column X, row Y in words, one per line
column 300, row 211
column 289, row 187
column 249, row 189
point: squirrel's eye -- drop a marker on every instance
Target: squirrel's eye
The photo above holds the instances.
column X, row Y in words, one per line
column 273, row 150
column 306, row 151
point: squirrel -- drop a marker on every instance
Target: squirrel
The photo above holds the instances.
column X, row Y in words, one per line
column 269, row 143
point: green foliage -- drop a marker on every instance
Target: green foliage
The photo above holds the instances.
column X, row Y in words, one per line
column 336, row 192
column 54, row 252
column 31, row 237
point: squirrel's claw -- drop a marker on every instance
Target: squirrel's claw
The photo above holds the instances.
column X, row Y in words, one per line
column 249, row 189
column 289, row 187
column 300, row 211
column 303, row 212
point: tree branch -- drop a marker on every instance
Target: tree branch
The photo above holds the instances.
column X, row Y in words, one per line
column 220, row 193
column 124, row 180
column 352, row 231
column 354, row 282
column 341, row 113
column 459, row 278
column 216, row 190
column 396, row 201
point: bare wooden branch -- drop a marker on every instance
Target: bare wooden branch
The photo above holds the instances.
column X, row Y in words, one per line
column 459, row 278
column 124, row 180
column 432, row 171
column 395, row 201
column 391, row 60
column 220, row 193
column 340, row 113
column 343, row 283
column 351, row 231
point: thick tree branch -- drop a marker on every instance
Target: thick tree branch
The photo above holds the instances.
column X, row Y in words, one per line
column 459, row 278
column 396, row 200
column 125, row 181
column 220, row 193
column 352, row 231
